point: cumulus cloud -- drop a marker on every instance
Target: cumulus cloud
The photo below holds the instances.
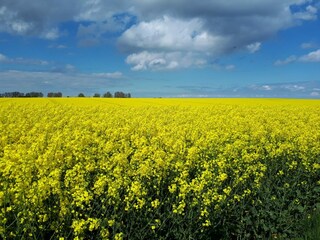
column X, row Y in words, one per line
column 163, row 60
column 286, row 61
column 70, row 83
column 40, row 64
column 294, row 87
column 42, row 17
column 315, row 94
column 224, row 67
column 266, row 88
column 66, row 68
column 37, row 18
column 91, row 33
column 310, row 13
column 279, row 90
column 3, row 58
column 51, row 34
column 112, row 75
column 308, row 45
column 209, row 28
column 230, row 67
column 311, row 57
column 57, row 46
column 171, row 34
column 25, row 61
column 298, row 89
column 22, row 61
column 206, row 29
column 114, row 23
column 254, row 47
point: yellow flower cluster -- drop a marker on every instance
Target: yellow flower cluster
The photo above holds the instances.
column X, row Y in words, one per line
column 73, row 168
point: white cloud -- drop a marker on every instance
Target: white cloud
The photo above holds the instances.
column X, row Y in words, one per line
column 66, row 68
column 113, row 75
column 254, row 47
column 111, row 24
column 261, row 87
column 266, row 88
column 294, row 87
column 308, row 45
column 170, row 43
column 163, row 61
column 99, row 11
column 209, row 28
column 311, row 57
column 288, row 60
column 90, row 34
column 70, row 83
column 315, row 94
column 22, row 61
column 59, row 46
column 3, row 58
column 70, row 67
column 51, row 34
column 20, row 27
column 206, row 29
column 230, row 67
column 310, row 13
column 36, row 18
column 276, row 90
column 219, row 67
column 171, row 34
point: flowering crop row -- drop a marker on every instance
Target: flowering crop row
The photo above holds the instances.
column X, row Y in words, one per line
column 157, row 169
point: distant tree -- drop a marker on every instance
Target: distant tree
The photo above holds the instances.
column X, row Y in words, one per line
column 13, row 94
column 119, row 95
column 122, row 95
column 34, row 94
column 81, row 95
column 97, row 95
column 53, row 94
column 107, row 95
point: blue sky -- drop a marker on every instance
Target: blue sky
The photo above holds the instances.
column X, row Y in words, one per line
column 161, row 48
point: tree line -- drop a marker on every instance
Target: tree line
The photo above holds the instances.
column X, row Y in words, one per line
column 21, row 95
column 109, row 95
column 59, row 94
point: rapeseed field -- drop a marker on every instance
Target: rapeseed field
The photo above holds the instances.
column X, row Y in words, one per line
column 80, row 168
